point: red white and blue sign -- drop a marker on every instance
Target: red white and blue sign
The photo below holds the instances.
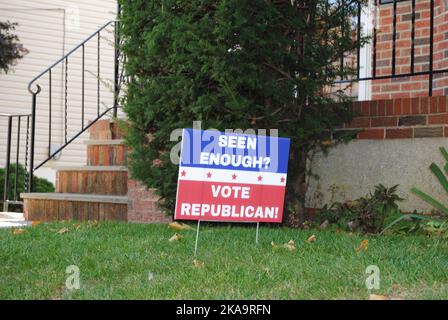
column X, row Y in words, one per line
column 231, row 177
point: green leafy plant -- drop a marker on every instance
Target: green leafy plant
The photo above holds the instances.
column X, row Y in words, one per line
column 235, row 65
column 366, row 214
column 40, row 184
column 11, row 50
column 430, row 224
column 417, row 223
column 442, row 180
column 437, row 228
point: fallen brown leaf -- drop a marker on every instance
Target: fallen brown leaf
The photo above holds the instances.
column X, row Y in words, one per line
column 363, row 245
column 179, row 226
column 35, row 223
column 93, row 223
column 63, row 230
column 198, row 263
column 175, row 237
column 306, row 225
column 18, row 231
column 290, row 245
column 311, row 239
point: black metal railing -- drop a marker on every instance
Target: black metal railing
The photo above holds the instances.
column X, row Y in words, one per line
column 20, row 123
column 430, row 71
column 35, row 87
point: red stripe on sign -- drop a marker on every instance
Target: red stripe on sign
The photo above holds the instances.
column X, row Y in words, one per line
column 217, row 201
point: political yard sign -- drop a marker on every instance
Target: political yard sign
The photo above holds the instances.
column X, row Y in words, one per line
column 231, row 177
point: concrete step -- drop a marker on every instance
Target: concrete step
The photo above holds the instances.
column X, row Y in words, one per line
column 75, row 197
column 104, row 142
column 100, row 180
column 74, row 206
column 13, row 220
column 91, row 168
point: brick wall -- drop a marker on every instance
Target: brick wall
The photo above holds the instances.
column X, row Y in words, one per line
column 415, row 86
column 401, row 118
column 142, row 206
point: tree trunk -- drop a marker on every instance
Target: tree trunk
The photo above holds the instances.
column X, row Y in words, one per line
column 296, row 199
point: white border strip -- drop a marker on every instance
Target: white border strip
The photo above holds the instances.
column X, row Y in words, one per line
column 232, row 176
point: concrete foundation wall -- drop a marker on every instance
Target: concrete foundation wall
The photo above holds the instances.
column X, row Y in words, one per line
column 352, row 170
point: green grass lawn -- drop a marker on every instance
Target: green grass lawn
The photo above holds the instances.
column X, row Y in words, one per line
column 116, row 258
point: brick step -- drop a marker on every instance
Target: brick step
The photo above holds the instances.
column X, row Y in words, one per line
column 100, row 180
column 69, row 206
column 107, row 129
column 106, row 152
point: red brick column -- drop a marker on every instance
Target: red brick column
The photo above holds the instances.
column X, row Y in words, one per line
column 142, row 205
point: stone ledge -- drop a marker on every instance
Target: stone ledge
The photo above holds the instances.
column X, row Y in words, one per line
column 91, row 168
column 77, row 197
column 104, row 142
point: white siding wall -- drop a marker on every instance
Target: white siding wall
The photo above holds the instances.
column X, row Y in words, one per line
column 48, row 29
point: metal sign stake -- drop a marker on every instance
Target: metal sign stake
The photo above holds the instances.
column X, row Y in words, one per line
column 197, row 237
column 256, row 236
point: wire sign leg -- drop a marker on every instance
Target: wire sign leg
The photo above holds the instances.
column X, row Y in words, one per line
column 256, row 235
column 197, row 238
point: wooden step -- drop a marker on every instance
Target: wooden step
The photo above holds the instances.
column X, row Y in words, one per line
column 69, row 206
column 107, row 129
column 100, row 180
column 106, row 152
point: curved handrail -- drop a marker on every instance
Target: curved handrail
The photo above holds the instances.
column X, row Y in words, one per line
column 15, row 114
column 34, row 88
column 65, row 56
column 73, row 138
